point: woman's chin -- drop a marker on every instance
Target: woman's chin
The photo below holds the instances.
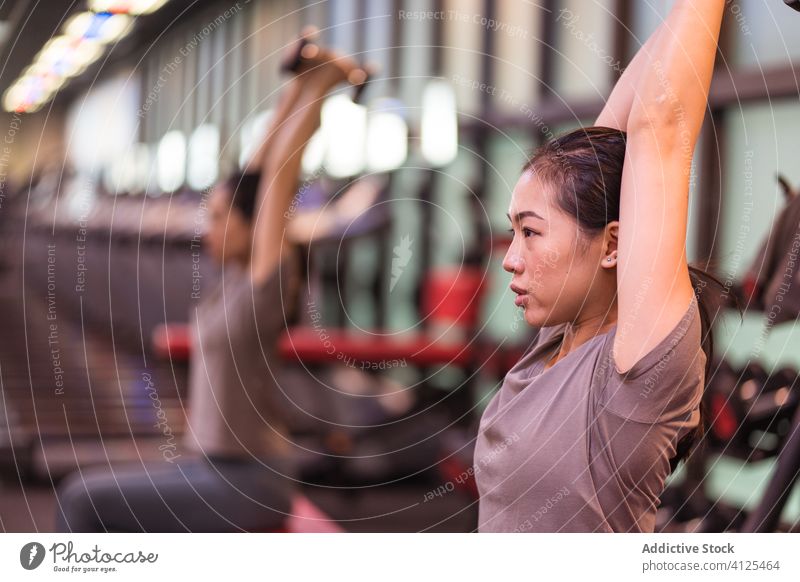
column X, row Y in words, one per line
column 532, row 320
column 535, row 315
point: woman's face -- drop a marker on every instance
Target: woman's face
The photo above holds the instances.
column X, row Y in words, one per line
column 553, row 276
column 228, row 236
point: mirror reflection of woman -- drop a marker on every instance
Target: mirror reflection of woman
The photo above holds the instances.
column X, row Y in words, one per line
column 235, row 471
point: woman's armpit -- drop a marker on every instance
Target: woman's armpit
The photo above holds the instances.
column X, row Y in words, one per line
column 674, row 342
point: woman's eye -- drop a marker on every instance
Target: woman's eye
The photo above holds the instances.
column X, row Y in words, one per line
column 525, row 231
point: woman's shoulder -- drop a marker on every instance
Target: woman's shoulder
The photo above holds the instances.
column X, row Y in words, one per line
column 244, row 301
column 665, row 381
column 238, row 277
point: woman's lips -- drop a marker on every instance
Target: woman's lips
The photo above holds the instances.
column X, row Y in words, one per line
column 522, row 295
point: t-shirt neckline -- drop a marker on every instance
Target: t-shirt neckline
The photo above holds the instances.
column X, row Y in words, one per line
column 537, row 368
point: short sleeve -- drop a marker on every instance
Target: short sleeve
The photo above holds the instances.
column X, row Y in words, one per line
column 273, row 301
column 266, row 306
column 665, row 383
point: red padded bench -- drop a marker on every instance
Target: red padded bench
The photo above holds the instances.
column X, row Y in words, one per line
column 450, row 306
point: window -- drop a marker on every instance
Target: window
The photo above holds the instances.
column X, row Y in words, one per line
column 583, row 66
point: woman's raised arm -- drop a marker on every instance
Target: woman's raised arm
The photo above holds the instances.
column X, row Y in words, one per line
column 669, row 100
column 281, row 167
column 618, row 107
column 259, row 159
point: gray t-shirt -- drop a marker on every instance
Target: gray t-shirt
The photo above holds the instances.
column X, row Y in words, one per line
column 237, row 403
column 579, row 447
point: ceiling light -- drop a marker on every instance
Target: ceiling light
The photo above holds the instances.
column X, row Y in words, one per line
column 103, row 27
column 134, row 7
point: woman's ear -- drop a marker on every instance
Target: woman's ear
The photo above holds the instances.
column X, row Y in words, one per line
column 610, row 243
column 612, row 231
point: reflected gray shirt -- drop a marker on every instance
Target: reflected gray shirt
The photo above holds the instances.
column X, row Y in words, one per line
column 237, row 400
column 581, row 448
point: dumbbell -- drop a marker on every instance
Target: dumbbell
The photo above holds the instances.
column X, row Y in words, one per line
column 768, row 404
column 753, row 381
column 746, row 403
column 777, row 393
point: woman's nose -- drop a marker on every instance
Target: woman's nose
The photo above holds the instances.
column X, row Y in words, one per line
column 512, row 261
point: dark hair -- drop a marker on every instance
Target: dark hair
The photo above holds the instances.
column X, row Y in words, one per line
column 586, row 164
column 244, row 192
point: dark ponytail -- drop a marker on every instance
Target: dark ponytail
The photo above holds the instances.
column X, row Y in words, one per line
column 712, row 295
column 588, row 163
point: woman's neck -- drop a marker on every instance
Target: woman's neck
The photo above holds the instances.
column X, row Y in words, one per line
column 581, row 331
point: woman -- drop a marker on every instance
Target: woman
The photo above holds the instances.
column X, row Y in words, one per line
column 236, row 473
column 595, row 415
